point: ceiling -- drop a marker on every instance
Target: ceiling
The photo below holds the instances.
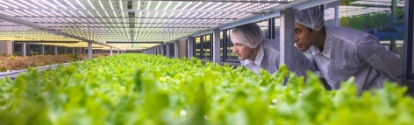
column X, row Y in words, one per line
column 124, row 24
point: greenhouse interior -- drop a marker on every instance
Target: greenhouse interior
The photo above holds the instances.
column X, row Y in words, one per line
column 180, row 62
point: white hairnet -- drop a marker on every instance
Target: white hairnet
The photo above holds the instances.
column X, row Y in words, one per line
column 245, row 34
column 311, row 18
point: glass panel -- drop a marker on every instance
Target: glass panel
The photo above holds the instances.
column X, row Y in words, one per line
column 17, row 49
column 206, row 46
column 230, row 54
column 221, row 45
column 277, row 28
column 171, row 49
column 264, row 26
column 34, row 50
column 197, row 47
column 383, row 19
column 61, row 50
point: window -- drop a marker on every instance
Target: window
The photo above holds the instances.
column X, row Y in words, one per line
column 34, row 50
column 207, row 46
column 264, row 26
column 383, row 19
column 197, row 46
column 221, row 45
column 230, row 55
column 17, row 49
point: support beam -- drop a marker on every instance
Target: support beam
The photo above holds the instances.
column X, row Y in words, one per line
column 6, row 47
column 224, row 45
column 216, row 46
column 408, row 40
column 190, row 47
column 24, row 49
column 56, row 50
column 73, row 51
column 110, row 51
column 336, row 16
column 66, row 50
column 42, row 49
column 118, row 51
column 161, row 49
column 168, row 49
column 287, row 48
column 271, row 28
column 176, row 49
column 90, row 50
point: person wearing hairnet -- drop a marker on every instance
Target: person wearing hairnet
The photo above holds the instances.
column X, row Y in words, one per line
column 341, row 53
column 256, row 52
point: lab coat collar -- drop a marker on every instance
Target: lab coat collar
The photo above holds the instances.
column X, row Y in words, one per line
column 327, row 49
column 259, row 56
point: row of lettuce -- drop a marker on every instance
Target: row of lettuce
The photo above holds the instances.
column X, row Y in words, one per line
column 154, row 90
column 11, row 62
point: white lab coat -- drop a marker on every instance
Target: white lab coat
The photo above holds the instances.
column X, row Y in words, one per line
column 268, row 59
column 348, row 52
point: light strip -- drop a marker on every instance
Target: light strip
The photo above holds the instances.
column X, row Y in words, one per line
column 168, row 5
column 73, row 13
column 205, row 6
column 77, row 1
column 47, row 13
column 28, row 3
column 38, row 13
column 177, row 6
column 82, row 14
column 98, row 14
column 60, row 4
column 149, row 3
column 8, row 4
column 163, row 15
column 139, row 5
column 186, row 5
column 90, row 13
column 196, row 5
column 70, row 4
column 194, row 14
column 214, row 6
column 21, row 13
column 19, row 4
column 159, row 3
column 49, row 4
column 4, row 6
column 100, row 3
column 90, row 4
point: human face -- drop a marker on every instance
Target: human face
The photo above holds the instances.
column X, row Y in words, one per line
column 242, row 51
column 304, row 39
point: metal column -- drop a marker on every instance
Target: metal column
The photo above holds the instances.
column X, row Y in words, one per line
column 190, row 47
column 56, row 50
column 271, row 28
column 90, row 50
column 24, row 49
column 110, row 52
column 176, row 49
column 168, row 49
column 216, row 46
column 287, row 41
column 408, row 46
column 42, row 49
